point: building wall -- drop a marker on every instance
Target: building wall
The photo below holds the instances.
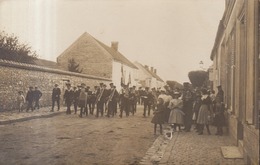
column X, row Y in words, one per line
column 128, row 72
column 91, row 57
column 236, row 62
column 18, row 77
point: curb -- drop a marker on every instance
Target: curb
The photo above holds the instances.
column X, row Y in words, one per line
column 30, row 118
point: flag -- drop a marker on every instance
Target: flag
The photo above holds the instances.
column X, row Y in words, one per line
column 122, row 76
column 129, row 79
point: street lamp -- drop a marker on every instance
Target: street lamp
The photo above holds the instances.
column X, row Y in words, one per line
column 201, row 65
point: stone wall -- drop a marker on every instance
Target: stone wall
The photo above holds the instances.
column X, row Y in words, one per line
column 18, row 77
column 251, row 144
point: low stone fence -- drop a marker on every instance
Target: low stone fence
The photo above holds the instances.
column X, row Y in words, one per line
column 18, row 77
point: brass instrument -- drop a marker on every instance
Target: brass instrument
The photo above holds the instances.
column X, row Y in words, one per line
column 112, row 95
column 100, row 95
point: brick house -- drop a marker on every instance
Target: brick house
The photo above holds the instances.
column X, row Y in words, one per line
column 235, row 57
column 96, row 58
column 148, row 77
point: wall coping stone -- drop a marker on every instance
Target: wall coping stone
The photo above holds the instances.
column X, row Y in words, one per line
column 26, row 66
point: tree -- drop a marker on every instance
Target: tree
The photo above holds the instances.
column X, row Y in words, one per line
column 73, row 66
column 198, row 78
column 11, row 49
column 174, row 84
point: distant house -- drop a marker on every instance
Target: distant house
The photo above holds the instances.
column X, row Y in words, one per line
column 148, row 77
column 96, row 58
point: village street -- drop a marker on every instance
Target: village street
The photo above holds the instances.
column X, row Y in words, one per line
column 62, row 139
column 68, row 139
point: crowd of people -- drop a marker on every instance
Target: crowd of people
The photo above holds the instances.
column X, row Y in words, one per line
column 179, row 108
column 182, row 109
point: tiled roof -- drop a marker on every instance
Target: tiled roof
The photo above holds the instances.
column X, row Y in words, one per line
column 148, row 71
column 116, row 55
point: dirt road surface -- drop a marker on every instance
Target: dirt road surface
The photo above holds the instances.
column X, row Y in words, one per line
column 70, row 140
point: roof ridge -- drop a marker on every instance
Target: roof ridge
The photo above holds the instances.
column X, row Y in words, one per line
column 74, row 43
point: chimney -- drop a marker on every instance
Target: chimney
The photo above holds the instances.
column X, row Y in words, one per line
column 146, row 67
column 152, row 69
column 114, row 45
column 155, row 71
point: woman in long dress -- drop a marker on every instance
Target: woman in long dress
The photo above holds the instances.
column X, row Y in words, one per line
column 176, row 114
column 204, row 112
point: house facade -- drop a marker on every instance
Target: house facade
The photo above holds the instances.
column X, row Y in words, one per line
column 96, row 58
column 235, row 56
column 147, row 77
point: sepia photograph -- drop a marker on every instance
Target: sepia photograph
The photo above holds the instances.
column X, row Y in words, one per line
column 129, row 82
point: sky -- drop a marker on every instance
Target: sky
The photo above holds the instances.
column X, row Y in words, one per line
column 172, row 36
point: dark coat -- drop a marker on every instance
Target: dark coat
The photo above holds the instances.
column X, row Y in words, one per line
column 219, row 119
column 147, row 97
column 68, row 96
column 30, row 96
column 113, row 97
column 37, row 94
column 56, row 93
column 158, row 117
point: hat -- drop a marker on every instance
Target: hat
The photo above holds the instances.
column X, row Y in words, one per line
column 83, row 85
column 30, row 87
column 101, row 84
column 219, row 86
column 111, row 84
column 176, row 93
column 56, row 85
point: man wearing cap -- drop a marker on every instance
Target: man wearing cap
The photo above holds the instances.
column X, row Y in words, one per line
column 220, row 94
column 112, row 100
column 37, row 95
column 56, row 97
column 101, row 96
column 76, row 92
column 30, row 98
column 124, row 100
column 92, row 100
column 187, row 106
column 147, row 97
column 68, row 98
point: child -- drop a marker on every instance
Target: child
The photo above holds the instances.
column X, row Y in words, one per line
column 176, row 114
column 158, row 117
column 20, row 100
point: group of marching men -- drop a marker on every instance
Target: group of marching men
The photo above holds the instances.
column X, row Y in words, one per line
column 105, row 100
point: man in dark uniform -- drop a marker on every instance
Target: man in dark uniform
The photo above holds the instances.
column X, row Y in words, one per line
column 136, row 95
column 68, row 97
column 132, row 100
column 76, row 92
column 112, row 100
column 30, row 98
column 220, row 94
column 124, row 101
column 187, row 106
column 56, row 92
column 101, row 96
column 92, row 99
column 37, row 96
column 147, row 99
